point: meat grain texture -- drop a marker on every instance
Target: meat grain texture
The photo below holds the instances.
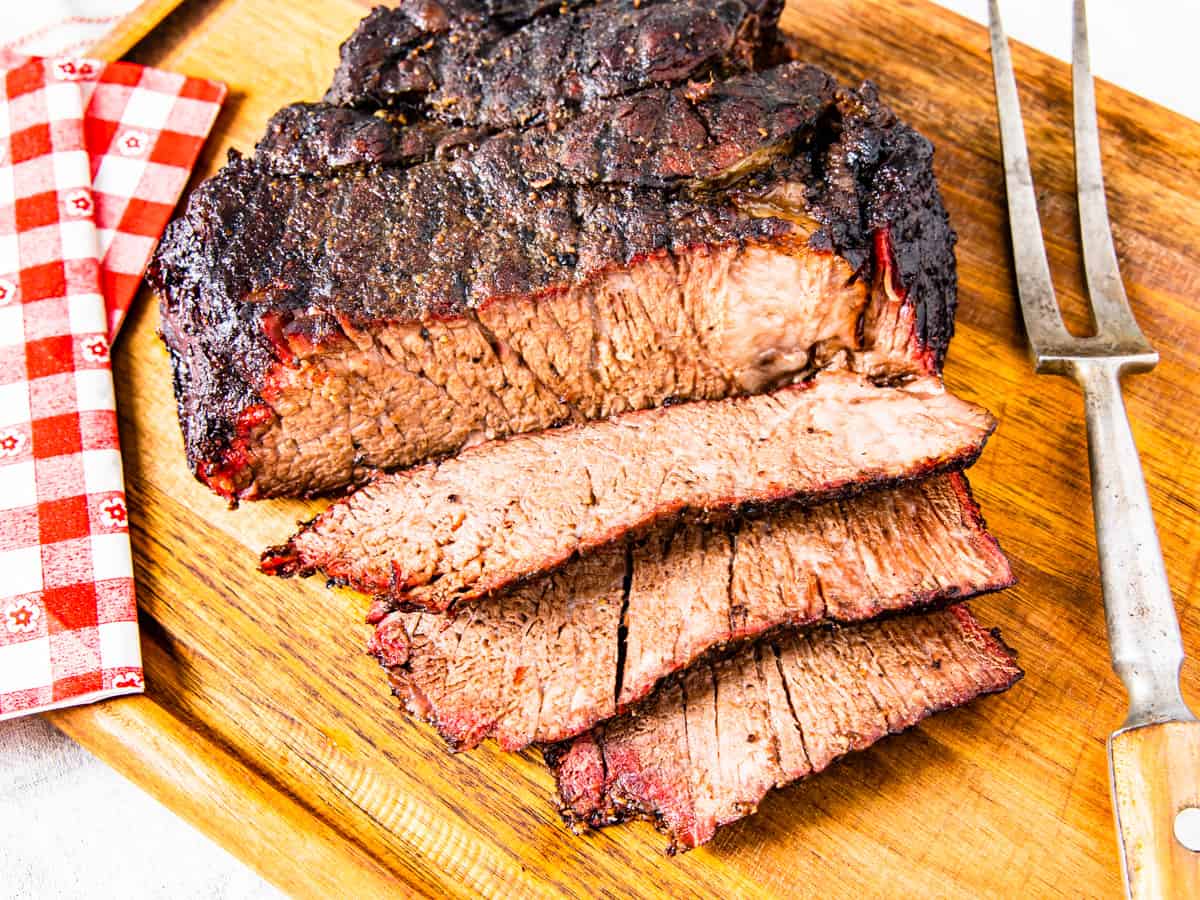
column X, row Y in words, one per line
column 703, row 751
column 447, row 533
column 554, row 657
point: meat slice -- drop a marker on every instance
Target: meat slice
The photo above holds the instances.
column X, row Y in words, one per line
column 683, row 244
column 450, row 532
column 475, row 64
column 704, row 749
column 552, row 658
column 448, row 74
column 656, row 137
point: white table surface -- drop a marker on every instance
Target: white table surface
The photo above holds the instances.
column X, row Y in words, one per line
column 71, row 827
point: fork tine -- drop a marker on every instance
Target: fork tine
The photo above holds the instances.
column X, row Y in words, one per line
column 1039, row 309
column 1110, row 306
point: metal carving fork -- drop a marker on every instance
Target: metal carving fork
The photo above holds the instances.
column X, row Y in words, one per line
column 1154, row 758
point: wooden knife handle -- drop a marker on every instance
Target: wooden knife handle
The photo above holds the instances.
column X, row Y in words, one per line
column 1155, row 772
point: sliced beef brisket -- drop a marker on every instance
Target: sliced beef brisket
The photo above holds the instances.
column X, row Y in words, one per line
column 553, row 657
column 444, row 533
column 681, row 244
column 709, row 744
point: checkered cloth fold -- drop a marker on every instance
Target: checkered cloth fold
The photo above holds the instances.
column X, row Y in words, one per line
column 93, row 157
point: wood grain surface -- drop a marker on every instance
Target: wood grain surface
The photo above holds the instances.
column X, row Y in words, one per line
column 272, row 708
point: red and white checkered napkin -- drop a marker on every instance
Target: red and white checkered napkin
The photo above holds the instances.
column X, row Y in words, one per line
column 93, row 157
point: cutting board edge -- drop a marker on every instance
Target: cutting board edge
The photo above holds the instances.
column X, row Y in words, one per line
column 176, row 764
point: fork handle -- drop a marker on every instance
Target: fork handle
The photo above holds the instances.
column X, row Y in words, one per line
column 1155, row 759
column 1153, row 771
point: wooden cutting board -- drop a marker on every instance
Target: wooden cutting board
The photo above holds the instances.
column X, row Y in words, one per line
column 132, row 28
column 267, row 726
